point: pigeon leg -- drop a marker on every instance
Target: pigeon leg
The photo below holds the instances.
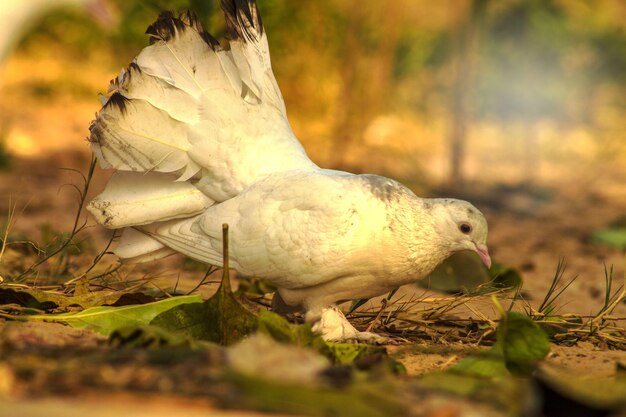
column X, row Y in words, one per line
column 333, row 325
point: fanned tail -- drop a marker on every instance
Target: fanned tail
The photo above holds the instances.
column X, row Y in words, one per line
column 250, row 50
column 189, row 124
column 145, row 123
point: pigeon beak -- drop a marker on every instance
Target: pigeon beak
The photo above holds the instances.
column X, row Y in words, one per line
column 483, row 252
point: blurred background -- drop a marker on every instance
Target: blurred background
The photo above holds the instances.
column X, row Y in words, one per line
column 517, row 105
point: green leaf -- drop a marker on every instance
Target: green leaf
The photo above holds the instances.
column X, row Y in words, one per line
column 347, row 353
column 363, row 399
column 615, row 237
column 461, row 272
column 361, row 355
column 356, row 304
column 506, row 393
column 522, row 341
column 504, row 276
column 254, row 286
column 603, row 393
column 44, row 300
column 221, row 319
column 147, row 336
column 482, row 377
column 457, row 383
column 485, row 365
column 279, row 329
column 520, row 344
column 107, row 319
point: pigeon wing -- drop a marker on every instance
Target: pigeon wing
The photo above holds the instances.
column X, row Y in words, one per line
column 296, row 230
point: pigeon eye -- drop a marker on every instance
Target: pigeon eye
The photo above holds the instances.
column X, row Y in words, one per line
column 465, row 228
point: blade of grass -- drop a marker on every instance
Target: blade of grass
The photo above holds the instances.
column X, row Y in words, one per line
column 552, row 294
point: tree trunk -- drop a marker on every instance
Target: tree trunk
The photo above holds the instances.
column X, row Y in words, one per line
column 466, row 40
column 365, row 74
column 531, row 152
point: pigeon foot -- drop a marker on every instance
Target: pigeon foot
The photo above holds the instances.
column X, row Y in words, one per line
column 333, row 326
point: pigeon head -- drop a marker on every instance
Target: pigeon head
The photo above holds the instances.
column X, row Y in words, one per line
column 461, row 226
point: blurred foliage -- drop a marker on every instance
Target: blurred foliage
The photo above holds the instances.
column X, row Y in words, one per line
column 531, row 51
column 464, row 272
column 342, row 63
column 5, row 157
column 614, row 234
column 540, row 60
column 613, row 237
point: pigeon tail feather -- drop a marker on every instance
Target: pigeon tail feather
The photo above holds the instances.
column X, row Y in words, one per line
column 187, row 107
column 243, row 19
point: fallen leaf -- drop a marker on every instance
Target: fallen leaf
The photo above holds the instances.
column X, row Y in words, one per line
column 45, row 300
column 364, row 399
column 522, row 342
column 147, row 336
column 22, row 336
column 574, row 393
column 221, row 319
column 487, row 364
column 105, row 320
column 279, row 329
column 504, row 277
column 461, row 272
column 25, row 298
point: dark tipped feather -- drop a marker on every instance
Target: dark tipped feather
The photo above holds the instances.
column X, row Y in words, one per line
column 133, row 66
column 118, row 101
column 167, row 25
column 93, row 136
column 128, row 75
column 242, row 19
column 95, row 132
column 191, row 20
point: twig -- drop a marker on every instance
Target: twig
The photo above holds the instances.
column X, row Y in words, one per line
column 383, row 305
column 204, row 278
column 225, row 286
column 75, row 228
column 95, row 262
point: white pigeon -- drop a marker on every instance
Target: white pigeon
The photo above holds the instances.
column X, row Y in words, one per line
column 199, row 137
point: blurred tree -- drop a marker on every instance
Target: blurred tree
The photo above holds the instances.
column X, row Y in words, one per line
column 522, row 78
column 466, row 39
column 342, row 63
column 540, row 61
column 367, row 61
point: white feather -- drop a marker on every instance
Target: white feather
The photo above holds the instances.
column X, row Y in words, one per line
column 135, row 247
column 135, row 198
